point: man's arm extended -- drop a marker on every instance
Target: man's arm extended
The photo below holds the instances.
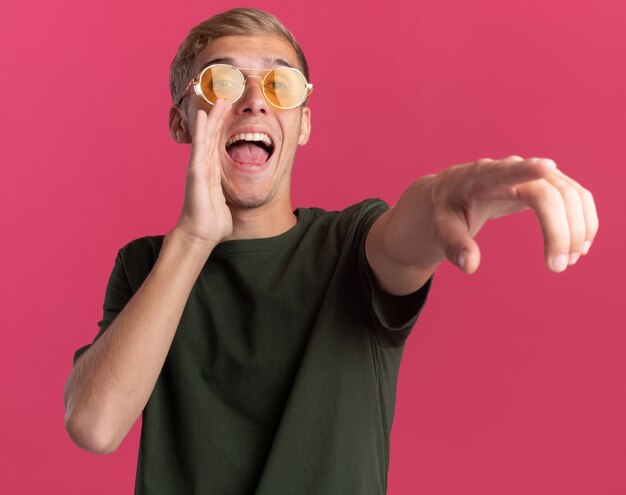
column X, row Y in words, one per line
column 438, row 216
column 111, row 382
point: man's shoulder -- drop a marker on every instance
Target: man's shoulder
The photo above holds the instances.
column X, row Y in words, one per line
column 355, row 211
column 143, row 248
column 341, row 226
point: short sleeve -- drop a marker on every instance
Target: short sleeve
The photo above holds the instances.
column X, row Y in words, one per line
column 132, row 265
column 393, row 317
column 118, row 293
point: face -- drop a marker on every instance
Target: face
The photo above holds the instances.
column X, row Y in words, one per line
column 248, row 180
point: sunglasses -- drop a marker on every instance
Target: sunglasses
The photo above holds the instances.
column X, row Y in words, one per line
column 283, row 87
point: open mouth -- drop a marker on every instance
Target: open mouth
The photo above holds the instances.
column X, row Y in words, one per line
column 253, row 148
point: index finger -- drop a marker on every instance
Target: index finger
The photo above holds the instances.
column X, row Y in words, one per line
column 198, row 143
column 215, row 121
column 208, row 128
column 493, row 178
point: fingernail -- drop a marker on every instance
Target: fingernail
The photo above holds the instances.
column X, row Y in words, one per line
column 573, row 258
column 548, row 161
column 462, row 259
column 559, row 263
column 586, row 247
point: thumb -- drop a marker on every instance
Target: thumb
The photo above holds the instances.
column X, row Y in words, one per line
column 450, row 230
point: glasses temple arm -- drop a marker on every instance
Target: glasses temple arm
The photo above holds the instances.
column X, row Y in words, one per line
column 186, row 90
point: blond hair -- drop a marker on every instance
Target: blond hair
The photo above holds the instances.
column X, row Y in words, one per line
column 240, row 21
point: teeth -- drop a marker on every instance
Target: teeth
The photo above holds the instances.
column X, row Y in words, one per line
column 250, row 136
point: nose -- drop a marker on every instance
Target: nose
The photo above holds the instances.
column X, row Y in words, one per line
column 252, row 101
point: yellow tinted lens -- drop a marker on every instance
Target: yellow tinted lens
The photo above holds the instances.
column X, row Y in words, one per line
column 221, row 81
column 285, row 87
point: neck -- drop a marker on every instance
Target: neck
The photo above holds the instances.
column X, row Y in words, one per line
column 265, row 221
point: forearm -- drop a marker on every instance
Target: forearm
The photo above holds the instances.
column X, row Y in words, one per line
column 408, row 237
column 401, row 248
column 111, row 382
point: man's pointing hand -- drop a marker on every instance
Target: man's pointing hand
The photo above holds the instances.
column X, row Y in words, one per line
column 465, row 196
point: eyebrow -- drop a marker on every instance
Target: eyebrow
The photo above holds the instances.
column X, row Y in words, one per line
column 268, row 60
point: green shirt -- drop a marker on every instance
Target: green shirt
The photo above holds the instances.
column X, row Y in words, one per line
column 281, row 378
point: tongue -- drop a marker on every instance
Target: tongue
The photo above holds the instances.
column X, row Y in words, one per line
column 248, row 153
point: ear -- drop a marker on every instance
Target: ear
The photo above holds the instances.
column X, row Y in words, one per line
column 305, row 126
column 178, row 126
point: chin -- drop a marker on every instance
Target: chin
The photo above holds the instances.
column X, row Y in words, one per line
column 248, row 201
column 254, row 195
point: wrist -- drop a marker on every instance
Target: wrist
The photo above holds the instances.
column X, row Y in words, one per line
column 191, row 245
column 417, row 207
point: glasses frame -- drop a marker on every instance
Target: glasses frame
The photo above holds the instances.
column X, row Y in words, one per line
column 197, row 86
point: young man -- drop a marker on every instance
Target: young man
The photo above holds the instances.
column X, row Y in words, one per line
column 261, row 344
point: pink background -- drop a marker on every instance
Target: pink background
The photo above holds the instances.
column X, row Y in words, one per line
column 512, row 381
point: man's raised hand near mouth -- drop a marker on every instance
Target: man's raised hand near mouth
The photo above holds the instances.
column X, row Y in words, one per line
column 205, row 216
